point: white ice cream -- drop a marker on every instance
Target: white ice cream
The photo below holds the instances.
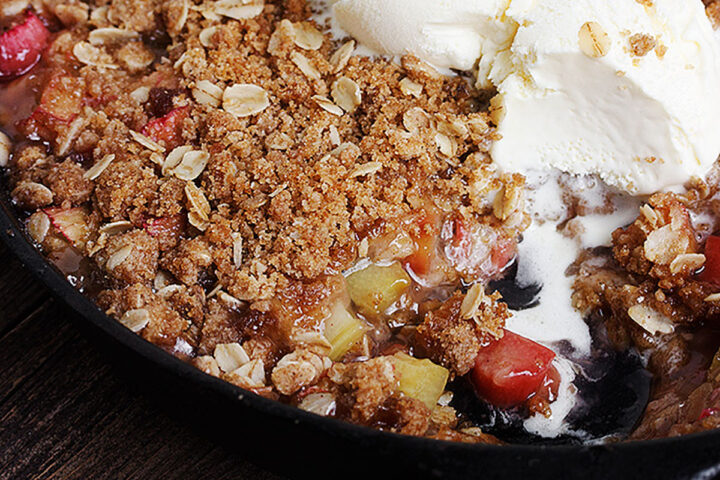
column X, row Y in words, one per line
column 642, row 123
column 446, row 33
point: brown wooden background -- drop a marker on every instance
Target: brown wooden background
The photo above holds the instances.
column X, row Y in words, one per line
column 64, row 412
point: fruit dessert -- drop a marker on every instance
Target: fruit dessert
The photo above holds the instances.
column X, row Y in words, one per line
column 482, row 223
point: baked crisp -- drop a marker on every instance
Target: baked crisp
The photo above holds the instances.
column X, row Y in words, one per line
column 251, row 196
column 242, row 189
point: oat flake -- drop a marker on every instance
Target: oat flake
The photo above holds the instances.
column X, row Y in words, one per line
column 245, row 99
column 346, row 93
column 307, row 36
column 136, row 319
column 94, row 172
column 327, row 105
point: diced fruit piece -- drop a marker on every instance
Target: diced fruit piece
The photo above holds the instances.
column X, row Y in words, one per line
column 475, row 249
column 390, row 246
column 170, row 225
column 420, row 262
column 167, row 230
column 167, row 129
column 461, row 234
column 708, row 412
column 72, row 223
column 501, row 255
column 60, row 102
column 550, row 385
column 62, row 98
column 420, row 379
column 374, row 288
column 509, row 370
column 711, row 271
column 21, row 46
column 343, row 330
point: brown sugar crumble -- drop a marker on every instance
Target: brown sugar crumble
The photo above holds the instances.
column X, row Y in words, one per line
column 641, row 44
column 712, row 9
column 648, row 293
column 219, row 171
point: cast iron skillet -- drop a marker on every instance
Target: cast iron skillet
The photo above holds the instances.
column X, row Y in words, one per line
column 302, row 445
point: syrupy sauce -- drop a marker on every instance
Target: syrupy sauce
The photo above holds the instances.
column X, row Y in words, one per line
column 517, row 297
column 613, row 390
column 80, row 271
column 702, row 347
column 18, row 99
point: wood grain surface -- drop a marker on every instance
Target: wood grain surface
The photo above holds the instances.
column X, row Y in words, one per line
column 65, row 413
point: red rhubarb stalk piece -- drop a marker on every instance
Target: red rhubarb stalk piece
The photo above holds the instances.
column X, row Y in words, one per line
column 708, row 412
column 170, row 225
column 70, row 222
column 711, row 270
column 21, row 47
column 425, row 240
column 168, row 128
column 510, row 369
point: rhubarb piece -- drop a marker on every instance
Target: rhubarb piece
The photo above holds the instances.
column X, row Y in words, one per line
column 60, row 102
column 374, row 288
column 476, row 250
column 711, row 270
column 62, row 98
column 708, row 412
column 510, row 369
column 420, row 379
column 343, row 330
column 21, row 47
column 167, row 129
column 421, row 261
column 166, row 230
column 72, row 223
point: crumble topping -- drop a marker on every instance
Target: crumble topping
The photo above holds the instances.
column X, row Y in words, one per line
column 650, row 295
column 641, row 44
column 712, row 9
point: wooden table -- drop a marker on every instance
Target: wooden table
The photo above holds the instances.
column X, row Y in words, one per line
column 64, row 412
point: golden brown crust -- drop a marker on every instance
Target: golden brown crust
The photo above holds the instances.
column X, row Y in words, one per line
column 713, row 12
column 165, row 324
column 370, row 384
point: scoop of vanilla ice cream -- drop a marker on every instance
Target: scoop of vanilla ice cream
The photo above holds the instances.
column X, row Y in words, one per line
column 445, row 33
column 640, row 122
column 573, row 91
